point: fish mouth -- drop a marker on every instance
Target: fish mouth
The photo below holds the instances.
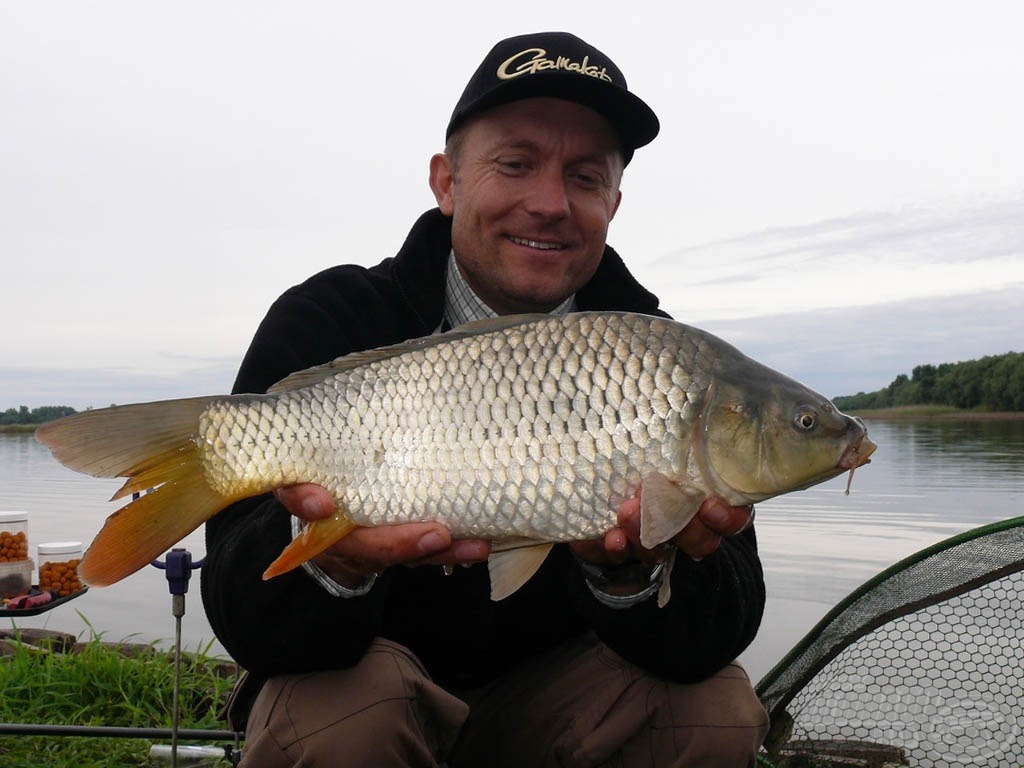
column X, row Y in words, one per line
column 541, row 245
column 858, row 454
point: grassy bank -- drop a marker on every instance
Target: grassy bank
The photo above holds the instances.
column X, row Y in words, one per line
column 936, row 412
column 18, row 428
column 97, row 683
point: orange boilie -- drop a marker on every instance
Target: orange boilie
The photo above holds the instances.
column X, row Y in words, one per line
column 13, row 546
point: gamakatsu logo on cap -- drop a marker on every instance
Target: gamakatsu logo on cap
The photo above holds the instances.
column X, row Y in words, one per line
column 534, row 60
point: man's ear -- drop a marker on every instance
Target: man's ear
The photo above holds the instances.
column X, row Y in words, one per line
column 442, row 183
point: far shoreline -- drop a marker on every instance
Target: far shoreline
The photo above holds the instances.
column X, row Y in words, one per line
column 934, row 413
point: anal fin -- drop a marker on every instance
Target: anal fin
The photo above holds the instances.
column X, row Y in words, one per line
column 314, row 539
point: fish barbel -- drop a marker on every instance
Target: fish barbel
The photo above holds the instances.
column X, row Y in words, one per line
column 526, row 430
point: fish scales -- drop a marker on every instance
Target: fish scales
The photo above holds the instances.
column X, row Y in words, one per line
column 552, row 465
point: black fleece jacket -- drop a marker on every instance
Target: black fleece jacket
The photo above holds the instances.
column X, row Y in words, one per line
column 290, row 624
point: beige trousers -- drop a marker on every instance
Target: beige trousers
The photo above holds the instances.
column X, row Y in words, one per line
column 578, row 705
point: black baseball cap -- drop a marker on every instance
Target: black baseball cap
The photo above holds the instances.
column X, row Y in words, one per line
column 559, row 65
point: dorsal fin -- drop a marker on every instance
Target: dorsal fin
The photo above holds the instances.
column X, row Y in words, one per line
column 318, row 373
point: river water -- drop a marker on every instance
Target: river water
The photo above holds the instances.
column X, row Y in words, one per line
column 928, row 480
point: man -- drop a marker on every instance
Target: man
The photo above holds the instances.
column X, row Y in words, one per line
column 373, row 654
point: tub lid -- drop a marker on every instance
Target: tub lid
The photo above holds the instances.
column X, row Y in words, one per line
column 60, row 548
column 13, row 517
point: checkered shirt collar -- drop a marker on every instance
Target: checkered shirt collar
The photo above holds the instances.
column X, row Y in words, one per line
column 461, row 305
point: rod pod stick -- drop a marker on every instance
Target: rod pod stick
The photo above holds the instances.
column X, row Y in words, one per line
column 178, row 567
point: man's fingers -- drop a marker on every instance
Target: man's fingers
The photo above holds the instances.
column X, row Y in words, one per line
column 306, row 501
column 723, row 519
column 374, row 549
column 393, row 544
column 461, row 552
column 715, row 521
column 697, row 540
column 621, row 544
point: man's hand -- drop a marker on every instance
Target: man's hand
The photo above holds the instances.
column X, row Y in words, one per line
column 366, row 551
column 702, row 535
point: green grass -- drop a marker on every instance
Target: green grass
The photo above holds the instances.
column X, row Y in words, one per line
column 100, row 684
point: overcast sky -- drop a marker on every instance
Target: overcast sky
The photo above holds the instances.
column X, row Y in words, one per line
column 838, row 187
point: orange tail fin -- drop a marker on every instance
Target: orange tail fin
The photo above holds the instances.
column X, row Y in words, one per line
column 150, row 444
column 144, row 529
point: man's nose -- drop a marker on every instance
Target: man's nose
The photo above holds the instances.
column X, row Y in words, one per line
column 549, row 195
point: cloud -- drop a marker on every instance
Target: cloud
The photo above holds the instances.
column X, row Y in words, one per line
column 957, row 232
column 867, row 258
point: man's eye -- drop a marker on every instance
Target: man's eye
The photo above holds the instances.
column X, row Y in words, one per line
column 512, row 165
column 587, row 179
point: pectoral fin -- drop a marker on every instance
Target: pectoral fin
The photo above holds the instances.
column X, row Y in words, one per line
column 665, row 508
column 514, row 567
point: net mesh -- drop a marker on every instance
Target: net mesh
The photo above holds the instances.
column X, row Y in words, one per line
column 925, row 657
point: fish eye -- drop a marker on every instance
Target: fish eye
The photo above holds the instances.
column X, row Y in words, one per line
column 805, row 420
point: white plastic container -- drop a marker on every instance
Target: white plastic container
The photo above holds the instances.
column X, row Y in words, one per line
column 13, row 537
column 58, row 564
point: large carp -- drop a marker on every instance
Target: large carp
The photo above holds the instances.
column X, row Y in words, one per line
column 526, row 430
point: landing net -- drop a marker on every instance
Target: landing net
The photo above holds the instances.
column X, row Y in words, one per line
column 926, row 659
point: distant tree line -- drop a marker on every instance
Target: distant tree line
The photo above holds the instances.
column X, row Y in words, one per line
column 24, row 415
column 991, row 383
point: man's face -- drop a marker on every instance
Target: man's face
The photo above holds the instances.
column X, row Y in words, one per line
column 531, row 193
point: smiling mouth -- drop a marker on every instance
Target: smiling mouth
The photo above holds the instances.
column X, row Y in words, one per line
column 543, row 246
